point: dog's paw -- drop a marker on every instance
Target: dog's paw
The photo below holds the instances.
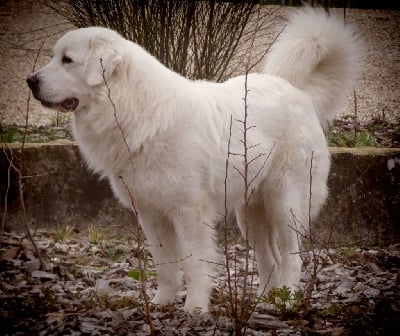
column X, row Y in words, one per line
column 163, row 299
column 195, row 309
column 196, row 306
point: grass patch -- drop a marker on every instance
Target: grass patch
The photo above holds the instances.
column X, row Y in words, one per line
column 348, row 138
column 284, row 299
column 62, row 233
column 96, row 235
column 376, row 133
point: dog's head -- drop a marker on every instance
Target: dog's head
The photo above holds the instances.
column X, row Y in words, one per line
column 83, row 59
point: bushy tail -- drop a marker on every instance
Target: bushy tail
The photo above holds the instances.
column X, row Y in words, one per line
column 317, row 53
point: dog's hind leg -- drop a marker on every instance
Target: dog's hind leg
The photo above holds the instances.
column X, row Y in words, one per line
column 286, row 211
column 263, row 238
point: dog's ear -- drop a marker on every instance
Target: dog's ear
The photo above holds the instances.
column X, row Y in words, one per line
column 101, row 63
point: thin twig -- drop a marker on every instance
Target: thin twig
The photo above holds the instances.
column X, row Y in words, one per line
column 133, row 199
column 20, row 176
column 314, row 277
column 230, row 290
column 10, row 165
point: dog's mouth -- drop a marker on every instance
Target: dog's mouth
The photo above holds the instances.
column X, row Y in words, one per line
column 67, row 105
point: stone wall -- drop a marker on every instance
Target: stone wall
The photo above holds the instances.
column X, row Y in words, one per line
column 363, row 206
column 364, row 199
column 58, row 189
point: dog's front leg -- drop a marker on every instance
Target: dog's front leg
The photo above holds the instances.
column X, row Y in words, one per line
column 195, row 231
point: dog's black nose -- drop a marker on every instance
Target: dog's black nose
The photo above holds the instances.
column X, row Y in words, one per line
column 33, row 82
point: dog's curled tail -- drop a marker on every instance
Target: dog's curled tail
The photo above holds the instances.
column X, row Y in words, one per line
column 317, row 53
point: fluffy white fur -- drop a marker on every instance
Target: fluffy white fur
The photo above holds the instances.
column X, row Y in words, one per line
column 177, row 131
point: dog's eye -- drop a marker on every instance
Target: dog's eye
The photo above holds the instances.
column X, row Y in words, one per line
column 66, row 60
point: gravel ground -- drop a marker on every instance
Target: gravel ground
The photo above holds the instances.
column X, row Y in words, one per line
column 26, row 24
column 89, row 288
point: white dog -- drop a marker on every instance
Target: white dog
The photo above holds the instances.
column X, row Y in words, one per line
column 162, row 142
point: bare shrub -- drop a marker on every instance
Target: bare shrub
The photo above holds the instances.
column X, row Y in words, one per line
column 198, row 39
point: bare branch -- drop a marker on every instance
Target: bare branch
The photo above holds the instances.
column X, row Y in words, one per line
column 133, row 199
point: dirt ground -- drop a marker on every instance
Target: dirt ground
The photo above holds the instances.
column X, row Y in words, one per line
column 27, row 26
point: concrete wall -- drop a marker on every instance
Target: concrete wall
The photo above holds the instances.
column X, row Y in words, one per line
column 363, row 206
column 364, row 200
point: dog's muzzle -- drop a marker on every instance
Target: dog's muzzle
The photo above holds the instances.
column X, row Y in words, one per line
column 68, row 104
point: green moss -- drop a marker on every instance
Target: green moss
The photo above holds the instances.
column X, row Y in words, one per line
column 333, row 310
column 137, row 274
column 10, row 134
column 347, row 252
column 109, row 302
